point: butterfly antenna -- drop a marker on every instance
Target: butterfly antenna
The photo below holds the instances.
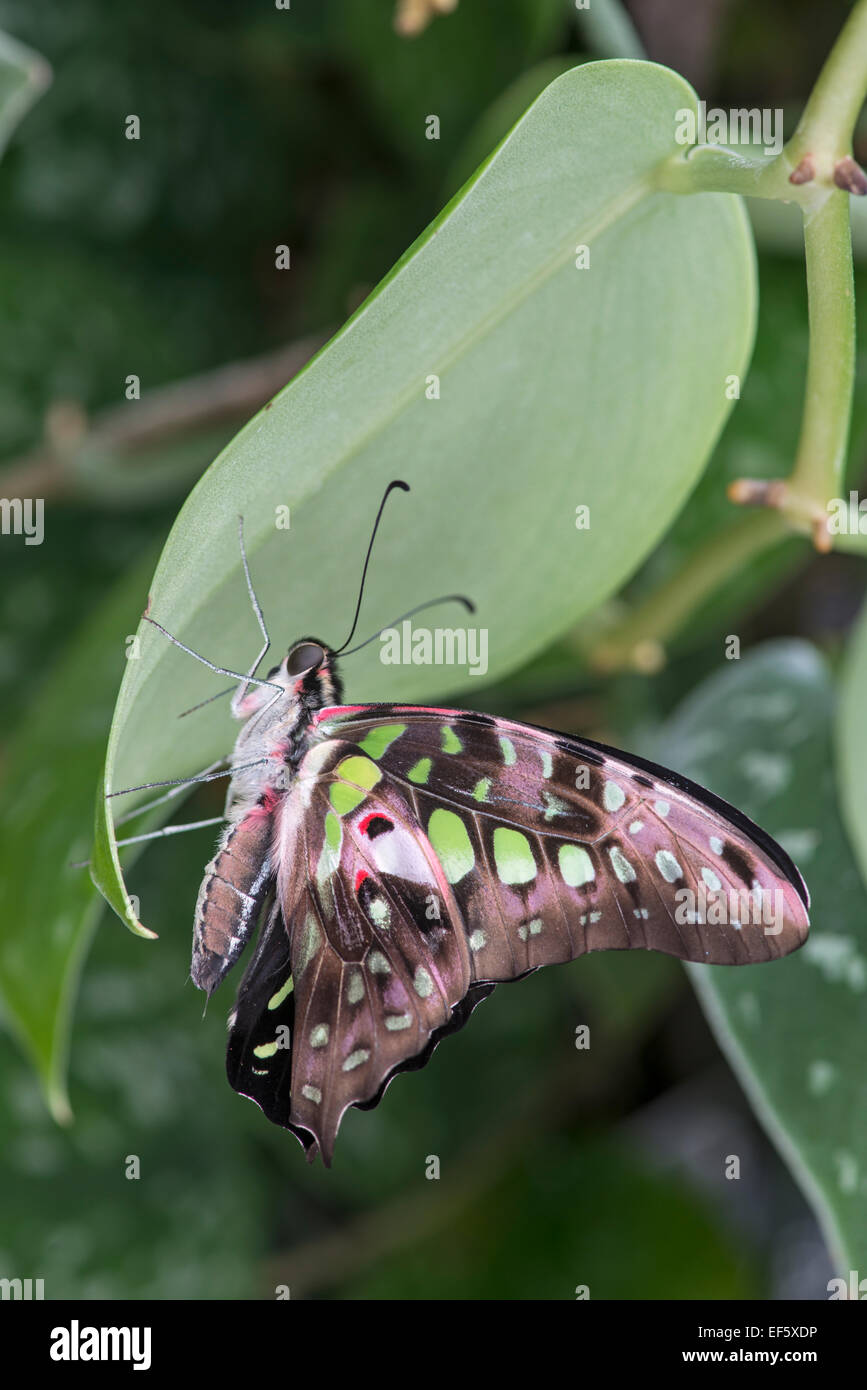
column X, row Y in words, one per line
column 431, row 603
column 405, row 487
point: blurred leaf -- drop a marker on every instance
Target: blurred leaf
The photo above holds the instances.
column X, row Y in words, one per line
column 608, row 29
column 533, row 358
column 24, row 75
column 575, row 1216
column 193, row 1222
column 439, row 72
column 47, row 908
column 758, row 734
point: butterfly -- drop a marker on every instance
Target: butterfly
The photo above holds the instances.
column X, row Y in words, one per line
column 400, row 861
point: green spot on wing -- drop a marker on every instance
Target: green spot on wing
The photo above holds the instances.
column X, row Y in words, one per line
column 513, row 856
column 422, row 983
column 668, row 866
column 361, row 771
column 420, row 771
column 509, row 755
column 395, row 1023
column 333, row 833
column 311, row 943
column 451, row 844
column 355, row 1059
column 481, row 789
column 356, row 774
column 450, row 741
column 576, row 866
column 345, row 798
column 277, row 999
column 379, row 738
column 330, row 856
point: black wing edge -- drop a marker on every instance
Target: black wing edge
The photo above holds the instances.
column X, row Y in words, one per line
column 459, row 1016
column 774, row 851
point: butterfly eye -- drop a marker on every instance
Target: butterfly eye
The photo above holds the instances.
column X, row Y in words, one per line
column 304, row 657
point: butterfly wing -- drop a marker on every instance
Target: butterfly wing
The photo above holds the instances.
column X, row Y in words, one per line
column 423, row 855
column 555, row 846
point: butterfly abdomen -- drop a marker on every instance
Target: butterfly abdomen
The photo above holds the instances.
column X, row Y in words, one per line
column 233, row 890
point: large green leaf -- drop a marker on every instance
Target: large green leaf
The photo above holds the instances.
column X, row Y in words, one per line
column 759, row 735
column 558, row 387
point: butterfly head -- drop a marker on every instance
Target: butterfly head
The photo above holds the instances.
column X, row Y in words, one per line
column 307, row 674
column 310, row 669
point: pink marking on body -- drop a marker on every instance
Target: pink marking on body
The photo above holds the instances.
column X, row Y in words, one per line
column 258, row 813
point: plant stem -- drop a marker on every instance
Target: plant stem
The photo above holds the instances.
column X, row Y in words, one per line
column 821, row 457
column 814, row 169
column 824, row 134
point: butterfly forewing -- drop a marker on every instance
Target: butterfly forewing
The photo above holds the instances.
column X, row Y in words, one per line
column 549, row 837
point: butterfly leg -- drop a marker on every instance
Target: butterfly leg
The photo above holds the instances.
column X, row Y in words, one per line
column 188, row 781
column 167, row 796
column 219, row 670
column 171, row 830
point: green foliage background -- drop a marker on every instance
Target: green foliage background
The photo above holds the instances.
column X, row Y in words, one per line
column 559, row 1168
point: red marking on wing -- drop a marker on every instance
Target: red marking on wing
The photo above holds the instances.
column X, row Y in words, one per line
column 364, row 824
column 360, row 876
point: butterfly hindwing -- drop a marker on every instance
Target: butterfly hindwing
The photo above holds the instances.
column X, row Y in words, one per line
column 378, row 959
